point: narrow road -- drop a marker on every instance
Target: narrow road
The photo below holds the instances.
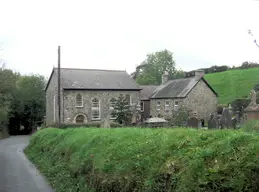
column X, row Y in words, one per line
column 17, row 173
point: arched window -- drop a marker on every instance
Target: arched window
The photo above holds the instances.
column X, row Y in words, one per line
column 79, row 100
column 95, row 109
column 80, row 119
column 113, row 114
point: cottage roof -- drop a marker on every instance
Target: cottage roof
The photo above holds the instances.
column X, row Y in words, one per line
column 72, row 78
column 177, row 88
column 147, row 91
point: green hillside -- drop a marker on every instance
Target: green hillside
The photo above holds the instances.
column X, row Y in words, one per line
column 233, row 84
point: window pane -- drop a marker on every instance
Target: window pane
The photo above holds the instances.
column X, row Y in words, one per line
column 142, row 106
column 79, row 100
column 95, row 114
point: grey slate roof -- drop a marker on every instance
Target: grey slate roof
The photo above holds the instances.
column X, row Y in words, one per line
column 177, row 88
column 147, row 91
column 96, row 79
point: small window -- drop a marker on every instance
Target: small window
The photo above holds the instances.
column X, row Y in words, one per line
column 176, row 103
column 167, row 106
column 158, row 105
column 79, row 100
column 142, row 106
column 95, row 109
column 113, row 114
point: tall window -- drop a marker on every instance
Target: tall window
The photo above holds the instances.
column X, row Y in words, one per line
column 176, row 105
column 142, row 106
column 112, row 110
column 79, row 100
column 128, row 99
column 95, row 109
column 167, row 106
column 158, row 105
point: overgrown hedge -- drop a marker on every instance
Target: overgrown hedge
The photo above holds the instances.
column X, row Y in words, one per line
column 85, row 125
column 147, row 159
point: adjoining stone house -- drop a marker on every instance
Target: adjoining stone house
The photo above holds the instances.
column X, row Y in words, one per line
column 87, row 94
column 193, row 93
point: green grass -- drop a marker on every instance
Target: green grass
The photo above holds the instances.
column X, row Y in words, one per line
column 233, row 84
column 135, row 159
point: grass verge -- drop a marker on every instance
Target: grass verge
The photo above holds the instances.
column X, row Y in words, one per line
column 233, row 84
column 134, row 159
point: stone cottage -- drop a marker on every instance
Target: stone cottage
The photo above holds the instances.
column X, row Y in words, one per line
column 87, row 94
column 194, row 93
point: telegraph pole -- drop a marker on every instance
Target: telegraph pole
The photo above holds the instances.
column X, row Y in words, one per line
column 59, row 100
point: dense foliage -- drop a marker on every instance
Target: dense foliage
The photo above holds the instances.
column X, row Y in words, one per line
column 150, row 71
column 147, row 159
column 22, row 101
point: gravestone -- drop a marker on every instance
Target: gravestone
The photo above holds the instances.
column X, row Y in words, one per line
column 193, row 122
column 225, row 120
column 234, row 123
column 212, row 123
column 105, row 123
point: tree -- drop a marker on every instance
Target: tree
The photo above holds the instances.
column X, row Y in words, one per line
column 7, row 84
column 151, row 69
column 29, row 101
column 122, row 109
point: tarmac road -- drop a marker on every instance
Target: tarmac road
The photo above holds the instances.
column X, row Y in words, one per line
column 17, row 173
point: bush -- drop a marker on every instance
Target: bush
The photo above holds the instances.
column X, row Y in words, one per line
column 147, row 159
column 85, row 125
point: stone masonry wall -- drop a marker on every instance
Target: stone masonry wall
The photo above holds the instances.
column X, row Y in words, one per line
column 201, row 99
column 51, row 97
column 51, row 92
column 71, row 111
column 153, row 109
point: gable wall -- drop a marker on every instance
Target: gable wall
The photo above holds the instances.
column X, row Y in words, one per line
column 71, row 111
column 50, row 93
column 202, row 99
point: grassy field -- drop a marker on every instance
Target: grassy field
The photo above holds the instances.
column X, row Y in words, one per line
column 135, row 159
column 233, row 84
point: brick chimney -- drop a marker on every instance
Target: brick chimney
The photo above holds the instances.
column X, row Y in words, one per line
column 199, row 74
column 165, row 77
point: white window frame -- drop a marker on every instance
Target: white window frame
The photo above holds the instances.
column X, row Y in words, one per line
column 142, row 108
column 130, row 102
column 95, row 108
column 82, row 102
column 167, row 106
column 158, row 106
column 112, row 104
column 176, row 105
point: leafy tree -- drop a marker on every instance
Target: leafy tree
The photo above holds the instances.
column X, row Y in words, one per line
column 29, row 104
column 151, row 69
column 123, row 111
column 7, row 84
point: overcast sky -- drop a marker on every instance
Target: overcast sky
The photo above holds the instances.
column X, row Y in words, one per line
column 117, row 34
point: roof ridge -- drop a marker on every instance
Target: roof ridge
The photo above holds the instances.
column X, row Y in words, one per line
column 91, row 69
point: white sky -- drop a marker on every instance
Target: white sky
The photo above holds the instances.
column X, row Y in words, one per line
column 117, row 34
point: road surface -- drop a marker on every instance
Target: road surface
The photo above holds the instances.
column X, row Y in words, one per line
column 17, row 173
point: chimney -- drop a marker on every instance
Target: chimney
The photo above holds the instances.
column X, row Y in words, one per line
column 165, row 77
column 199, row 74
